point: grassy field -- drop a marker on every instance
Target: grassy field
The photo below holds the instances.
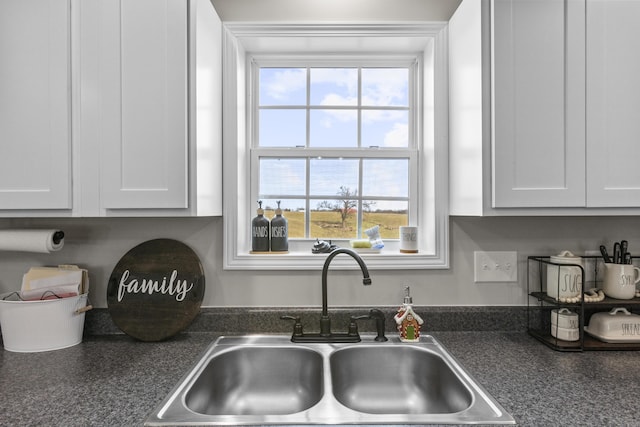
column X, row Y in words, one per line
column 328, row 225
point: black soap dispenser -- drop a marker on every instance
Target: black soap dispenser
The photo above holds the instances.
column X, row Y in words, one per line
column 279, row 232
column 260, row 231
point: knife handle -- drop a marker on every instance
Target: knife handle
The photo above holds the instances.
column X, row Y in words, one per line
column 624, row 247
column 617, row 254
column 605, row 254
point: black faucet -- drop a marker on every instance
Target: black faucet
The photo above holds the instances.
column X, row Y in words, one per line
column 325, row 334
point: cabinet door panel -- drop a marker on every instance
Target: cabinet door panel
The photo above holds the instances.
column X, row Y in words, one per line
column 144, row 104
column 613, row 109
column 35, row 104
column 538, row 80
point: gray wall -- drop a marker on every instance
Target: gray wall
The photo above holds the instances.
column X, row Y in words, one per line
column 98, row 244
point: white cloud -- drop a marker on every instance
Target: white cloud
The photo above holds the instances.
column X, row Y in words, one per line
column 373, row 116
column 285, row 82
column 398, row 136
column 384, row 86
column 342, row 77
column 344, row 116
column 333, row 99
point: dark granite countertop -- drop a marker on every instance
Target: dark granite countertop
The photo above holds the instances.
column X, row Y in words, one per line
column 114, row 380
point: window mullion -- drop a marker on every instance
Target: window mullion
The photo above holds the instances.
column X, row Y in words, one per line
column 360, row 205
column 307, row 217
column 360, row 173
column 308, row 111
column 359, row 106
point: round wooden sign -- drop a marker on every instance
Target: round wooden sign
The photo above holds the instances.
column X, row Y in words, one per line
column 156, row 290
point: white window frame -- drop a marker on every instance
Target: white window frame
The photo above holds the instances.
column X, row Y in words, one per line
column 427, row 41
column 410, row 62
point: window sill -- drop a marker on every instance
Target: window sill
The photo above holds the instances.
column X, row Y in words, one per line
column 387, row 259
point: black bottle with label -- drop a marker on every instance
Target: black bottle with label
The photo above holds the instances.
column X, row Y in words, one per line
column 260, row 231
column 279, row 232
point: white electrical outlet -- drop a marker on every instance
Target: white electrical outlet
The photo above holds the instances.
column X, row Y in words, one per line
column 495, row 266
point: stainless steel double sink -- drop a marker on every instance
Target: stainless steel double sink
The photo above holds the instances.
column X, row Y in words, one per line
column 267, row 380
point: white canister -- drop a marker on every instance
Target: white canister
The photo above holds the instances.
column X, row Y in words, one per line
column 564, row 282
column 408, row 239
column 565, row 334
column 565, row 318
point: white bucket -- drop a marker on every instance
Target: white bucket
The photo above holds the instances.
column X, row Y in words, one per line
column 43, row 325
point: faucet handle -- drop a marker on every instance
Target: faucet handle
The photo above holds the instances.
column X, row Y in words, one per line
column 297, row 326
column 353, row 326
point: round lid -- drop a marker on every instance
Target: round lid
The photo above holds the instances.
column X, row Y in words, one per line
column 566, row 257
column 156, row 289
column 564, row 312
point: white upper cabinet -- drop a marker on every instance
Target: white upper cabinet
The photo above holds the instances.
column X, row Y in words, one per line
column 613, row 103
column 538, row 103
column 129, row 89
column 143, row 105
column 35, row 105
column 553, row 112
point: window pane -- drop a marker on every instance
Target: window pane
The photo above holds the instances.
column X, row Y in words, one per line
column 385, row 128
column 388, row 215
column 385, row 87
column 385, row 177
column 337, row 218
column 333, row 128
column 333, row 177
column 327, row 223
column 282, row 177
column 282, row 128
column 334, row 86
column 283, row 86
column 292, row 209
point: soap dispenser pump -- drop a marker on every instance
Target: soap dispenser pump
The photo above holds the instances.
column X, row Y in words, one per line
column 407, row 321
